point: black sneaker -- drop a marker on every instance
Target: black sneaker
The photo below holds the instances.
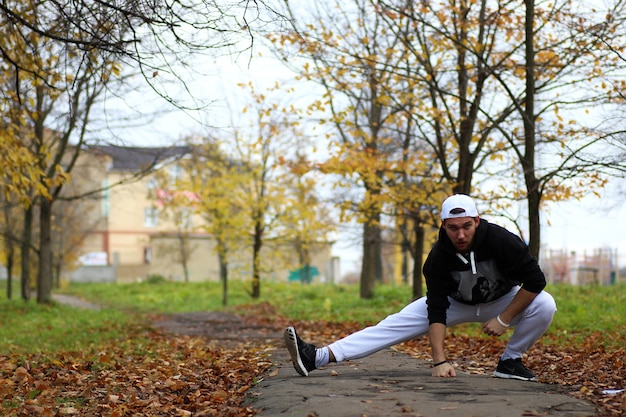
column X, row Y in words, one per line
column 302, row 353
column 514, row 369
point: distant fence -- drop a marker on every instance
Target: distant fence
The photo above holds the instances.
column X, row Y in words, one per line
column 599, row 267
column 94, row 273
column 91, row 273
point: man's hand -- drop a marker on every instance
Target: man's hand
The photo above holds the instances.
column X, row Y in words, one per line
column 492, row 327
column 444, row 370
column 522, row 299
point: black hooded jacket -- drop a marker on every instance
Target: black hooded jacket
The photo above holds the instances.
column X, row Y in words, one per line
column 497, row 261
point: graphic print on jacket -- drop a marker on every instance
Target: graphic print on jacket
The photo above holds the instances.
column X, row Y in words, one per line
column 482, row 283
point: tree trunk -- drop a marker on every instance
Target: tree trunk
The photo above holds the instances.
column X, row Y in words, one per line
column 368, row 267
column 465, row 170
column 305, row 264
column 528, row 163
column 418, row 259
column 10, row 260
column 256, row 260
column 9, row 246
column 223, row 277
column 27, row 238
column 57, row 267
column 44, row 281
column 534, row 226
column 184, row 255
column 405, row 247
column 378, row 256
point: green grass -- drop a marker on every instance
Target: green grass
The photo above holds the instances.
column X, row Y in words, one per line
column 161, row 296
column 29, row 327
column 590, row 307
column 300, row 302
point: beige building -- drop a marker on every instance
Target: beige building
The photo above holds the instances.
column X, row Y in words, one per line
column 126, row 232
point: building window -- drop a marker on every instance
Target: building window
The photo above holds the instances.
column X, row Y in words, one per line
column 186, row 218
column 105, row 198
column 152, row 184
column 176, row 173
column 150, row 217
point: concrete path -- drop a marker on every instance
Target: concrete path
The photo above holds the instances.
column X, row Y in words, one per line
column 390, row 383
column 74, row 301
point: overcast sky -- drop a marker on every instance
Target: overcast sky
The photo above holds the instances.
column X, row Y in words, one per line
column 591, row 224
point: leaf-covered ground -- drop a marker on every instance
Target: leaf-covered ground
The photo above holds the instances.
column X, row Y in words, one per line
column 170, row 376
column 583, row 370
column 166, row 373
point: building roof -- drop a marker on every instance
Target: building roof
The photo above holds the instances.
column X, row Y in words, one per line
column 136, row 158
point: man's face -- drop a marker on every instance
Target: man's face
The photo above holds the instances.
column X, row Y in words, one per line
column 461, row 231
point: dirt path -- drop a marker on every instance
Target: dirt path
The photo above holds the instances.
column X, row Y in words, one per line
column 74, row 301
column 224, row 328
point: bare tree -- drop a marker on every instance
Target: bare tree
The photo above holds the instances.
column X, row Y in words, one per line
column 560, row 155
column 155, row 36
column 505, row 115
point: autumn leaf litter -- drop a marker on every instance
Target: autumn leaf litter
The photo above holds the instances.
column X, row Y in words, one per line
column 165, row 373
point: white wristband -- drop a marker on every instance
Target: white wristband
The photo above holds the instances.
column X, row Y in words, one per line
column 503, row 324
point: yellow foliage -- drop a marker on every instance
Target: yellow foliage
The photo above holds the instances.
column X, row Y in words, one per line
column 546, row 57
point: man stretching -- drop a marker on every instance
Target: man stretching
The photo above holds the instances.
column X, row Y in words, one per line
column 475, row 272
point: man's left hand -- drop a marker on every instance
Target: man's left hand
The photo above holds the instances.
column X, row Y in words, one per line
column 493, row 328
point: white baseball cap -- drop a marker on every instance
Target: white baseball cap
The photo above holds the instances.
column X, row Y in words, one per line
column 462, row 205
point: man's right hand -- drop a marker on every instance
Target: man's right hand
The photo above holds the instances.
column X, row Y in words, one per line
column 444, row 370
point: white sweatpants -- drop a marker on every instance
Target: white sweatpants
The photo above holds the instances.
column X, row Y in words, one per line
column 412, row 321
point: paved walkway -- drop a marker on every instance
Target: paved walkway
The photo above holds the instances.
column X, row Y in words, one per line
column 389, row 384
column 74, row 301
